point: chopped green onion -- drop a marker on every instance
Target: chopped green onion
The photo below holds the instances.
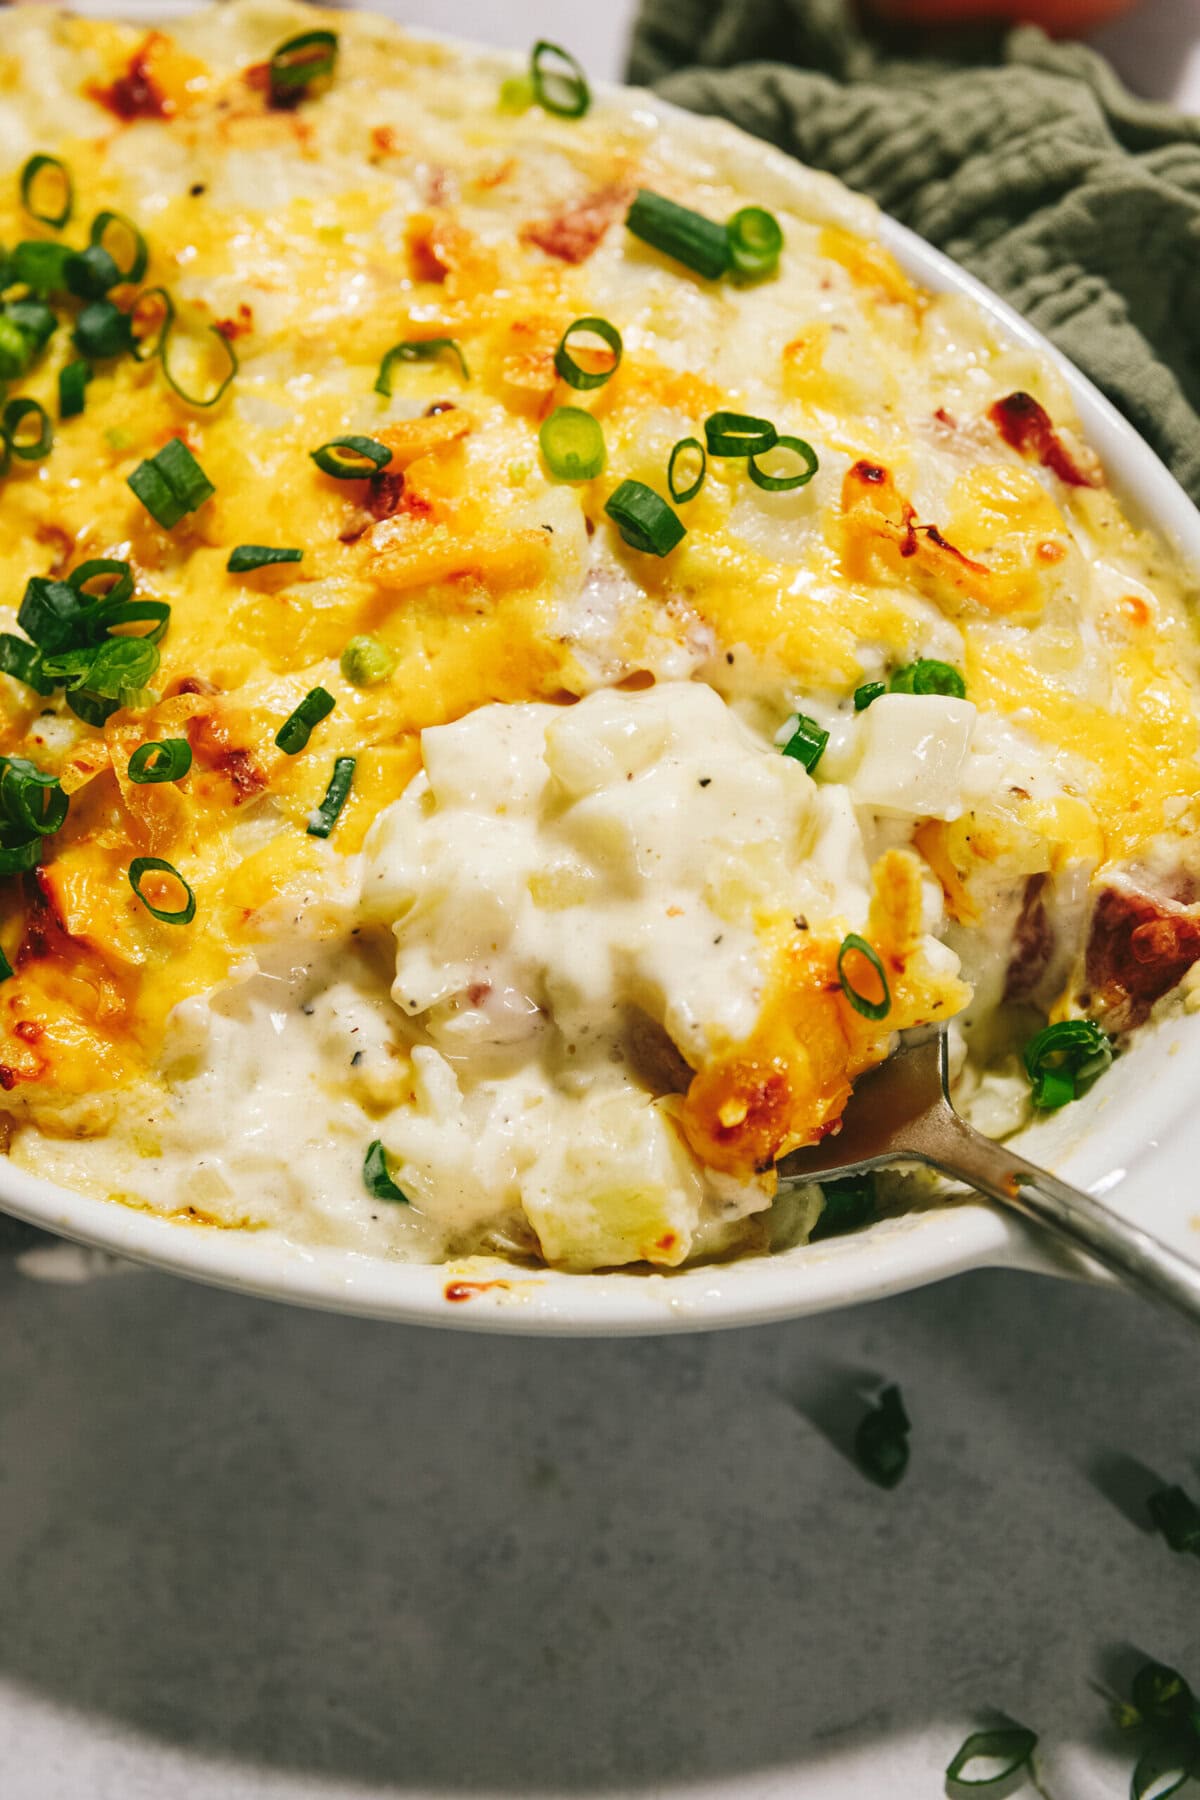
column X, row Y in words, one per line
column 15, row 415
column 145, row 349
column 1177, row 1517
column 6, row 967
column 366, row 662
column 34, row 320
column 414, row 350
column 807, row 742
column 849, row 1204
column 862, row 1003
column 23, row 662
column 18, row 854
column 118, row 669
column 33, row 176
column 783, row 484
column 162, row 759
column 376, row 1179
column 102, row 330
column 171, row 484
column 118, row 575
column 298, row 62
column 16, row 352
column 91, row 273
column 31, row 800
column 351, row 458
column 738, row 434
column 258, row 556
column 142, row 866
column 41, row 266
column 173, row 381
column 573, row 372
column 867, row 693
column 89, row 708
column 72, row 381
column 685, row 447
column 881, row 1441
column 1063, row 1060
column 516, row 94
column 928, row 676
column 1008, row 1746
column 109, row 613
column 644, row 519
column 564, row 91
column 322, row 822
column 755, row 241
column 294, row 733
column 50, row 614
column 685, row 236
column 138, row 251
column 572, row 444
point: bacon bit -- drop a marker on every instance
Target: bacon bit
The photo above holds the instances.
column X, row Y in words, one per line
column 494, row 178
column 1135, row 609
column 1050, row 552
column 238, row 327
column 8, row 1078
column 467, row 1290
column 1033, row 943
column 384, row 141
column 946, row 418
column 1138, row 948
column 872, row 473
column 29, row 1031
column 61, row 542
column 136, row 94
column 667, row 1241
column 1025, row 424
column 478, row 992
column 385, row 491
column 193, row 684
column 575, row 232
column 212, row 750
column 428, row 250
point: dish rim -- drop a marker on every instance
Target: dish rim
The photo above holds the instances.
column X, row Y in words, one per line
column 889, row 1257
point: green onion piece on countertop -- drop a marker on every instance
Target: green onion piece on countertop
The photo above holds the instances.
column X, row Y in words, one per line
column 691, row 448
column 323, row 820
column 294, row 733
column 755, row 242
column 247, row 557
column 854, row 945
column 575, row 373
column 142, row 866
column 563, row 90
column 572, row 444
column 49, row 178
column 1002, row 1751
column 678, row 232
column 415, row 350
column 807, row 741
column 365, row 661
column 1177, row 1517
column 162, row 759
column 171, row 484
column 881, row 1441
column 784, row 483
column 644, row 519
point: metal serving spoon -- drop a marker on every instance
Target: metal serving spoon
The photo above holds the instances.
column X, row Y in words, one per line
column 901, row 1112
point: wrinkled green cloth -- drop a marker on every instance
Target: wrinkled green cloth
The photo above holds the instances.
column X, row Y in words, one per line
column 1025, row 160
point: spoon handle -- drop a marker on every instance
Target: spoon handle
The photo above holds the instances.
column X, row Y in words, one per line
column 1129, row 1252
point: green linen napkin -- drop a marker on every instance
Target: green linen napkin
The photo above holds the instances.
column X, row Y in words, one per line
column 1025, row 160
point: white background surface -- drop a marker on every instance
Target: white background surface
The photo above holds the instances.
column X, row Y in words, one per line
column 246, row 1552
